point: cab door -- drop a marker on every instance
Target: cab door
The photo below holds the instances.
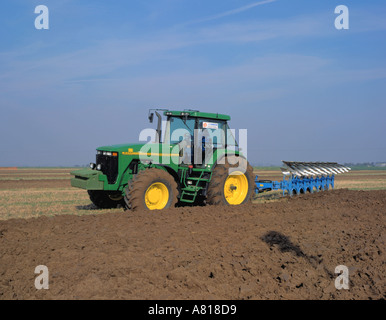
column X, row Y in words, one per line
column 209, row 137
column 180, row 136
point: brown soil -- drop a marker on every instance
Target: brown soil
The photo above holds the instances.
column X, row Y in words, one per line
column 282, row 250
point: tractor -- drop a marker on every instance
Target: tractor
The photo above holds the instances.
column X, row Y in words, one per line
column 196, row 160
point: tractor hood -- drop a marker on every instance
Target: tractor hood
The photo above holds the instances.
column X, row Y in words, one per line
column 140, row 149
column 135, row 147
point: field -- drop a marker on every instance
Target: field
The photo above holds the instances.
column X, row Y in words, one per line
column 275, row 248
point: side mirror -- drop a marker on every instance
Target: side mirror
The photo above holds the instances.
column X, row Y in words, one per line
column 151, row 116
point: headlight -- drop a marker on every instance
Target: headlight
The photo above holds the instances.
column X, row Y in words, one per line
column 92, row 165
column 99, row 167
column 107, row 153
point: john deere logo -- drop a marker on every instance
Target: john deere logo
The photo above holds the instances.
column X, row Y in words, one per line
column 129, row 151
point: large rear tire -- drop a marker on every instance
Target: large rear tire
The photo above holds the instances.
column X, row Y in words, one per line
column 106, row 200
column 232, row 183
column 151, row 189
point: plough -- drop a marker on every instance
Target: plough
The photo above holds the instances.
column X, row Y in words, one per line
column 302, row 177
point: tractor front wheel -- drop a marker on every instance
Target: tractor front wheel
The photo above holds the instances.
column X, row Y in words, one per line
column 106, row 200
column 151, row 189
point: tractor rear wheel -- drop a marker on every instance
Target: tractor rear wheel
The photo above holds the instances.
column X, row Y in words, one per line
column 151, row 189
column 106, row 200
column 232, row 183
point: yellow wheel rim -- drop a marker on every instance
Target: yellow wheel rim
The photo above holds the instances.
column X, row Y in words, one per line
column 156, row 196
column 236, row 188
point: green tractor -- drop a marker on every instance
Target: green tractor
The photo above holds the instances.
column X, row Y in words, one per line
column 196, row 160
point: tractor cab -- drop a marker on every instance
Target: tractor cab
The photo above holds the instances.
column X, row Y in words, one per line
column 196, row 136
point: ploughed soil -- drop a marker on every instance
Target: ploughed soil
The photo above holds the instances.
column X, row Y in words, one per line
column 287, row 249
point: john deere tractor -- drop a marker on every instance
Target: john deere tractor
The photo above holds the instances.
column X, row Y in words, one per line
column 196, row 160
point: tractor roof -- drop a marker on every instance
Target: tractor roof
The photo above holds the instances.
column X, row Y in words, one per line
column 197, row 114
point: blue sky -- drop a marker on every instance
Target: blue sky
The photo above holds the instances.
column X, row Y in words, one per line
column 304, row 90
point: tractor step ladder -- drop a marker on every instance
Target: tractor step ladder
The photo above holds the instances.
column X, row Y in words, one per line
column 189, row 193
